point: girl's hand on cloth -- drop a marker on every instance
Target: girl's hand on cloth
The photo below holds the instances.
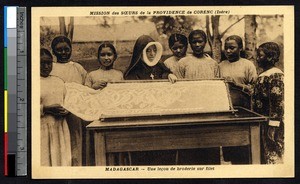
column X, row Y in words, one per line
column 99, row 85
column 172, row 78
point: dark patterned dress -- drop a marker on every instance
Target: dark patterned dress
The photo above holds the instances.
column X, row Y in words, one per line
column 268, row 100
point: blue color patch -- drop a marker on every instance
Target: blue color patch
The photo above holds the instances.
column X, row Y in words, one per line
column 5, row 26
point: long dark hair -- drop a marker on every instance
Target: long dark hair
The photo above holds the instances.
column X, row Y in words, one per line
column 177, row 38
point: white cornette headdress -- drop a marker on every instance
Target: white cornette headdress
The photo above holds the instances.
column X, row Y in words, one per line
column 157, row 56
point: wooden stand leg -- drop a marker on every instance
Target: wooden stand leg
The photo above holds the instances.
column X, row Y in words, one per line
column 100, row 151
column 129, row 158
column 111, row 159
column 121, row 159
column 87, row 148
column 176, row 157
column 255, row 143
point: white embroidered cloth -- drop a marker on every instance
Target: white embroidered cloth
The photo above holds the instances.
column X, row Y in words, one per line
column 149, row 98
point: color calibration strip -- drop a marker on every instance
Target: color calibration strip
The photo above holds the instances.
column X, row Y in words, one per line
column 15, row 92
column 21, row 88
column 5, row 93
column 10, row 34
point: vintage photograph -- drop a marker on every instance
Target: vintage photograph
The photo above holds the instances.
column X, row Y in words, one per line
column 164, row 92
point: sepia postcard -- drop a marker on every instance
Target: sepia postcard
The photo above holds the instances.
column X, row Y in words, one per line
column 162, row 92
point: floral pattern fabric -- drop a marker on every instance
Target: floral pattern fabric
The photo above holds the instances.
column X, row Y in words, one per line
column 146, row 98
column 268, row 100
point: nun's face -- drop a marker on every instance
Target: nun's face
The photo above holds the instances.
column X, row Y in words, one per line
column 151, row 52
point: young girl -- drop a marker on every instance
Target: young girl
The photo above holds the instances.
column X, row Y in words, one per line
column 69, row 71
column 198, row 65
column 178, row 45
column 240, row 72
column 55, row 135
column 268, row 100
column 106, row 56
column 64, row 68
column 145, row 62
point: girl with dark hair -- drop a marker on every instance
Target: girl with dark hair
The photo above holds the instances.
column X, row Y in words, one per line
column 198, row 65
column 268, row 100
column 98, row 79
column 55, row 135
column 145, row 62
column 64, row 68
column 69, row 71
column 178, row 44
column 240, row 72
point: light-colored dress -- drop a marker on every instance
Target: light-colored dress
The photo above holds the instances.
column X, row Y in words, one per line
column 242, row 71
column 191, row 67
column 72, row 72
column 172, row 64
column 99, row 75
column 69, row 72
column 55, row 135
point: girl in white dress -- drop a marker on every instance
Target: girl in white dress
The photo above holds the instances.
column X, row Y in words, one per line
column 70, row 71
column 198, row 65
column 55, row 135
column 178, row 44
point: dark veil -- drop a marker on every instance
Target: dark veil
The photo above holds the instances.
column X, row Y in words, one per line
column 138, row 48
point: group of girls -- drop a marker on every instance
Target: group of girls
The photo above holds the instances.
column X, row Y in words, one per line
column 62, row 131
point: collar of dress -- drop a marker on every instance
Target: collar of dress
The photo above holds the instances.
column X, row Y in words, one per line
column 270, row 72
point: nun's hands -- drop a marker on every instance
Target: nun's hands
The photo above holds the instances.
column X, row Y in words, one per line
column 99, row 85
column 172, row 78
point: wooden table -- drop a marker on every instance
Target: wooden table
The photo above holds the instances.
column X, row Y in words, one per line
column 177, row 132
